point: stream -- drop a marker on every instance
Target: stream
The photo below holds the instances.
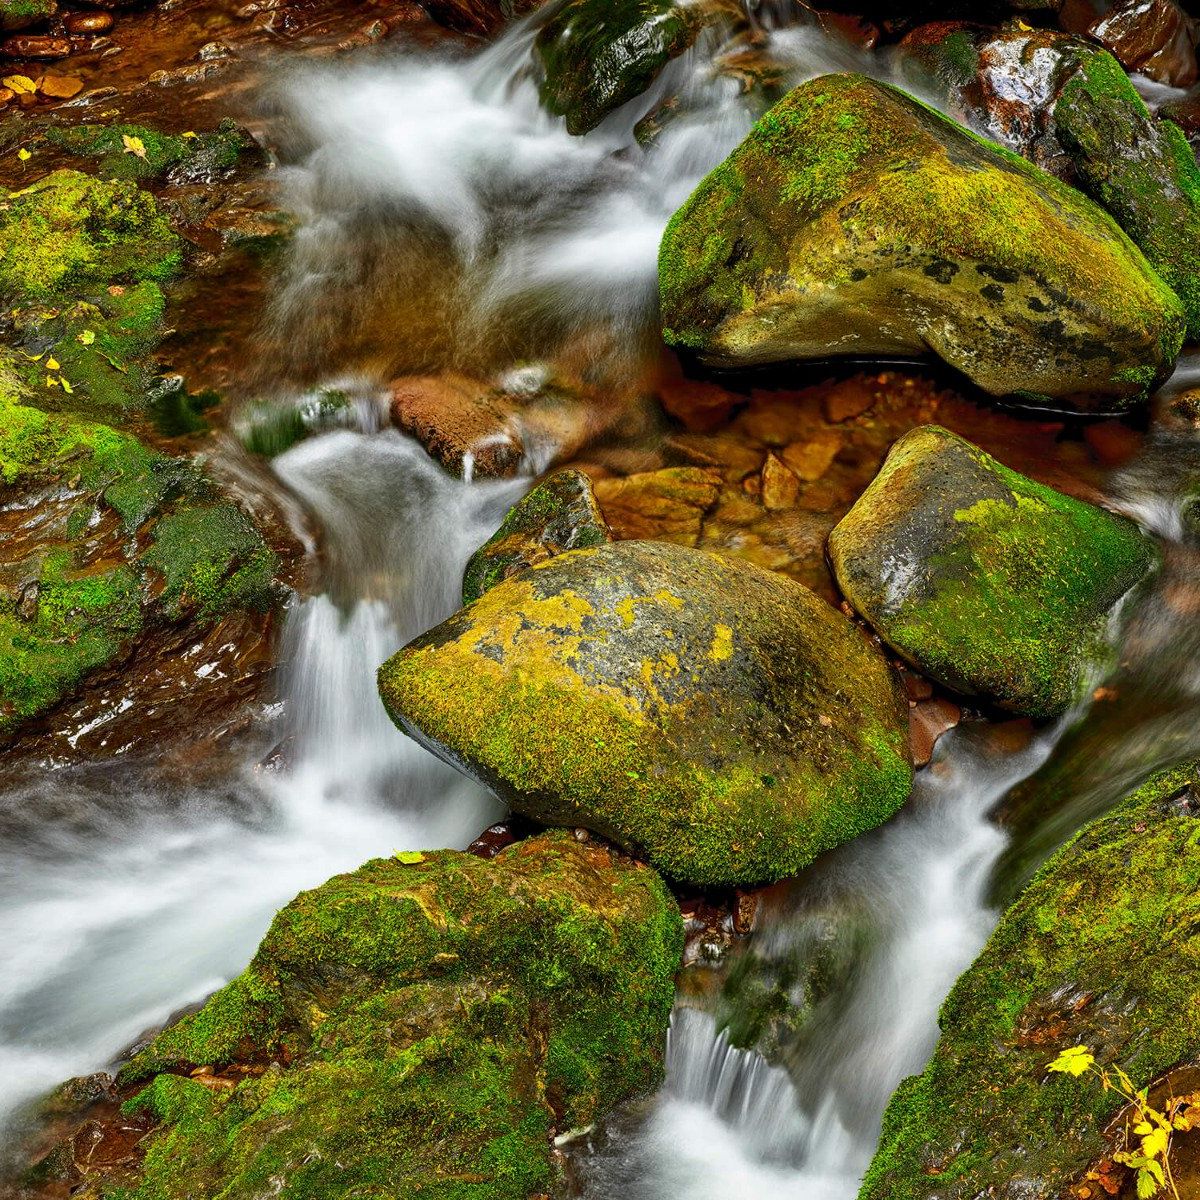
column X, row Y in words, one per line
column 447, row 221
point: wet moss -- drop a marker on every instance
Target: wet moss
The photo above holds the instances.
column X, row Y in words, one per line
column 189, row 156
column 212, row 559
column 987, row 581
column 1141, row 169
column 70, row 234
column 623, row 689
column 417, row 1028
column 20, row 14
column 849, row 199
column 1101, row 949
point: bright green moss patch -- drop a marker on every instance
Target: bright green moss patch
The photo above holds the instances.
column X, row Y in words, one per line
column 70, row 234
column 212, row 558
column 64, row 625
column 416, row 1029
column 648, row 691
column 1101, row 950
column 20, row 14
column 985, row 580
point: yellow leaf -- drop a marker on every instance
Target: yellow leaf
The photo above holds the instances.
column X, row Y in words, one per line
column 24, row 154
column 1154, row 1144
column 189, row 134
column 133, row 145
column 410, row 856
column 65, row 385
column 19, row 84
column 51, row 364
column 1074, row 1061
column 51, row 381
column 87, row 337
column 34, row 357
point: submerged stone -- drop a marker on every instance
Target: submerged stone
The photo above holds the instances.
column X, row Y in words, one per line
column 558, row 515
column 1101, row 950
column 422, row 1027
column 596, row 55
column 716, row 719
column 987, row 582
column 854, row 220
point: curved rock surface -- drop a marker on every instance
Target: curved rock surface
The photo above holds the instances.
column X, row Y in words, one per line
column 715, row 718
column 984, row 580
column 854, row 220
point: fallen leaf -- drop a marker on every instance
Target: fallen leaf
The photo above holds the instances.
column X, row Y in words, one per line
column 87, row 337
column 51, row 364
column 189, row 134
column 51, row 381
column 24, row 154
column 410, row 856
column 66, row 387
column 19, row 84
column 134, row 145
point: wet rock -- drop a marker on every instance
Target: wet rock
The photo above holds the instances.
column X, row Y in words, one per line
column 1154, row 37
column 928, row 719
column 717, row 719
column 810, row 240
column 427, row 1023
column 987, row 582
column 667, row 505
column 61, row 87
column 88, row 24
column 35, row 45
column 558, row 515
column 20, row 14
column 1101, row 951
column 596, row 55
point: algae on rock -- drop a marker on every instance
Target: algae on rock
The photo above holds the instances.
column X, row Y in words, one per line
column 986, row 581
column 422, row 1027
column 854, row 220
column 716, row 718
column 1102, row 949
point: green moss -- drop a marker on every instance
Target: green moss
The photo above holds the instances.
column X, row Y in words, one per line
column 70, row 234
column 987, row 581
column 201, row 156
column 1141, row 169
column 1102, row 950
column 212, row 559
column 622, row 689
column 417, row 1029
column 80, row 620
column 20, row 14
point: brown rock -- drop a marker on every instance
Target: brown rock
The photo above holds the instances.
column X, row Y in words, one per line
column 478, row 18
column 88, row 24
column 700, row 406
column 927, row 721
column 1112, row 442
column 61, row 87
column 666, row 506
column 846, row 399
column 812, row 458
column 1155, row 37
column 35, row 45
column 460, row 421
column 780, row 487
column 6, row 94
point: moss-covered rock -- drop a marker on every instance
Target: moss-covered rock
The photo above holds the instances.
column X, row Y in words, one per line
column 1101, row 950
column 855, row 220
column 70, row 234
column 596, row 55
column 20, row 14
column 424, row 1026
column 991, row 584
column 715, row 718
column 558, row 515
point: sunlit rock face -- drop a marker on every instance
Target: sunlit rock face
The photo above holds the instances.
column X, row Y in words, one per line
column 715, row 718
column 854, row 220
column 986, row 581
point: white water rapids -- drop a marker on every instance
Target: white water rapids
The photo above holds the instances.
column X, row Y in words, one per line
column 438, row 185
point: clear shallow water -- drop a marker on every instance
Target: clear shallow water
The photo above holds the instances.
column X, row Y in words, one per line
column 447, row 221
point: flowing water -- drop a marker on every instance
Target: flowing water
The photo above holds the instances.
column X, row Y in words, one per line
column 447, row 221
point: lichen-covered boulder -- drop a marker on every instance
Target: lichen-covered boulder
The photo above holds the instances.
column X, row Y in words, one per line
column 70, row 233
column 1102, row 950
column 1067, row 106
column 422, row 1027
column 991, row 584
column 595, row 55
column 558, row 515
column 855, row 220
column 716, row 719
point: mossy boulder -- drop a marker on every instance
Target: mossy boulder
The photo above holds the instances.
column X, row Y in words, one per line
column 986, row 581
column 855, row 220
column 717, row 719
column 72, row 234
column 20, row 14
column 422, row 1027
column 595, row 55
column 558, row 515
column 1101, row 950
